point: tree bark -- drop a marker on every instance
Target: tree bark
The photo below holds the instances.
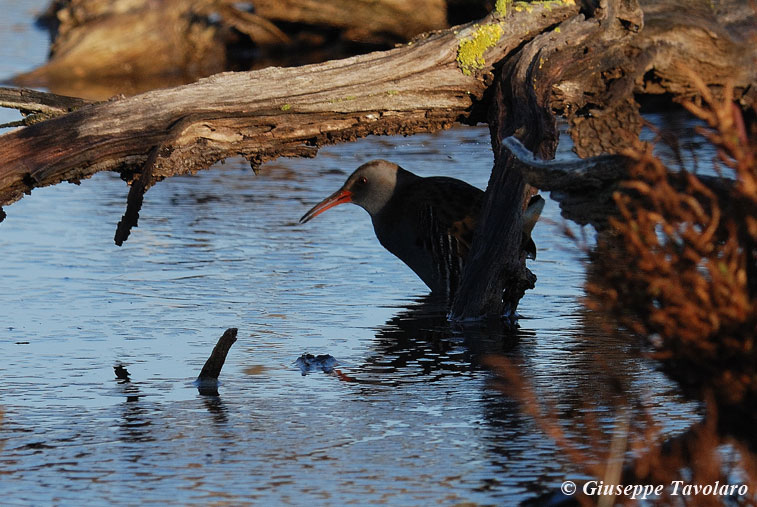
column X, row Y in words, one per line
column 362, row 20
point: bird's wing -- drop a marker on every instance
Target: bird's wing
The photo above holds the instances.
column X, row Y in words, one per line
column 457, row 206
column 445, row 213
column 530, row 217
column 450, row 213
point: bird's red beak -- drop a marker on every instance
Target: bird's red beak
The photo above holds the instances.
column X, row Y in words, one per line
column 341, row 196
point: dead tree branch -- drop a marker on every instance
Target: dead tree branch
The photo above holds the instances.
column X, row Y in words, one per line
column 37, row 106
column 207, row 381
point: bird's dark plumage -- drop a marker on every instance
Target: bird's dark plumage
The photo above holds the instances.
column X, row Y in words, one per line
column 427, row 222
column 429, row 225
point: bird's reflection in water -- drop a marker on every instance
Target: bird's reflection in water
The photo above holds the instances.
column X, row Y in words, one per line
column 421, row 341
column 421, row 352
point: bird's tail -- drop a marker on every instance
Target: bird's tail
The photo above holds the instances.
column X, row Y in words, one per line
column 530, row 217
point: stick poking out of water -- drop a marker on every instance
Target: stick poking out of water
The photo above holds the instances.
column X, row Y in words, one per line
column 213, row 365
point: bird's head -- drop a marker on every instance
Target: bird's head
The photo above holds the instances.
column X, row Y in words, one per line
column 370, row 187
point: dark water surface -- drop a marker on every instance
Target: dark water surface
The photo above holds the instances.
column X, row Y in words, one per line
column 411, row 418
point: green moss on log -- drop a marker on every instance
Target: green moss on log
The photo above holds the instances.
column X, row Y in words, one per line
column 470, row 52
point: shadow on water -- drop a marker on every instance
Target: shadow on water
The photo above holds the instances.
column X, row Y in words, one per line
column 420, row 341
column 601, row 373
column 419, row 347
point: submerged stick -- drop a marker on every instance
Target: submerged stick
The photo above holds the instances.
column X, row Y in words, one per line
column 213, row 365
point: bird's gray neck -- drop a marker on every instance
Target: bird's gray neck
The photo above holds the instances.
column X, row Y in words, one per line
column 386, row 190
column 405, row 177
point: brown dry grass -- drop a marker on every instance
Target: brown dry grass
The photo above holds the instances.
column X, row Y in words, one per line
column 681, row 270
column 635, row 451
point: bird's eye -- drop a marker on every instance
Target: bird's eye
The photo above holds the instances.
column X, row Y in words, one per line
column 363, row 180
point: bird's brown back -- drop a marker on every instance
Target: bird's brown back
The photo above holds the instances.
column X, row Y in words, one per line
column 429, row 224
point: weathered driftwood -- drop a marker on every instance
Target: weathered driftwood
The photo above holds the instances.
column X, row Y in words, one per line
column 522, row 104
column 207, row 381
column 649, row 47
column 101, row 45
column 588, row 70
column 585, row 188
column 545, row 59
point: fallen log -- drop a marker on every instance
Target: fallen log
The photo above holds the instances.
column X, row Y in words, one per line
column 261, row 115
column 136, row 45
column 103, row 41
column 362, row 20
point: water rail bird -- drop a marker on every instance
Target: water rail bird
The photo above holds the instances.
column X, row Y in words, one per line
column 428, row 223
